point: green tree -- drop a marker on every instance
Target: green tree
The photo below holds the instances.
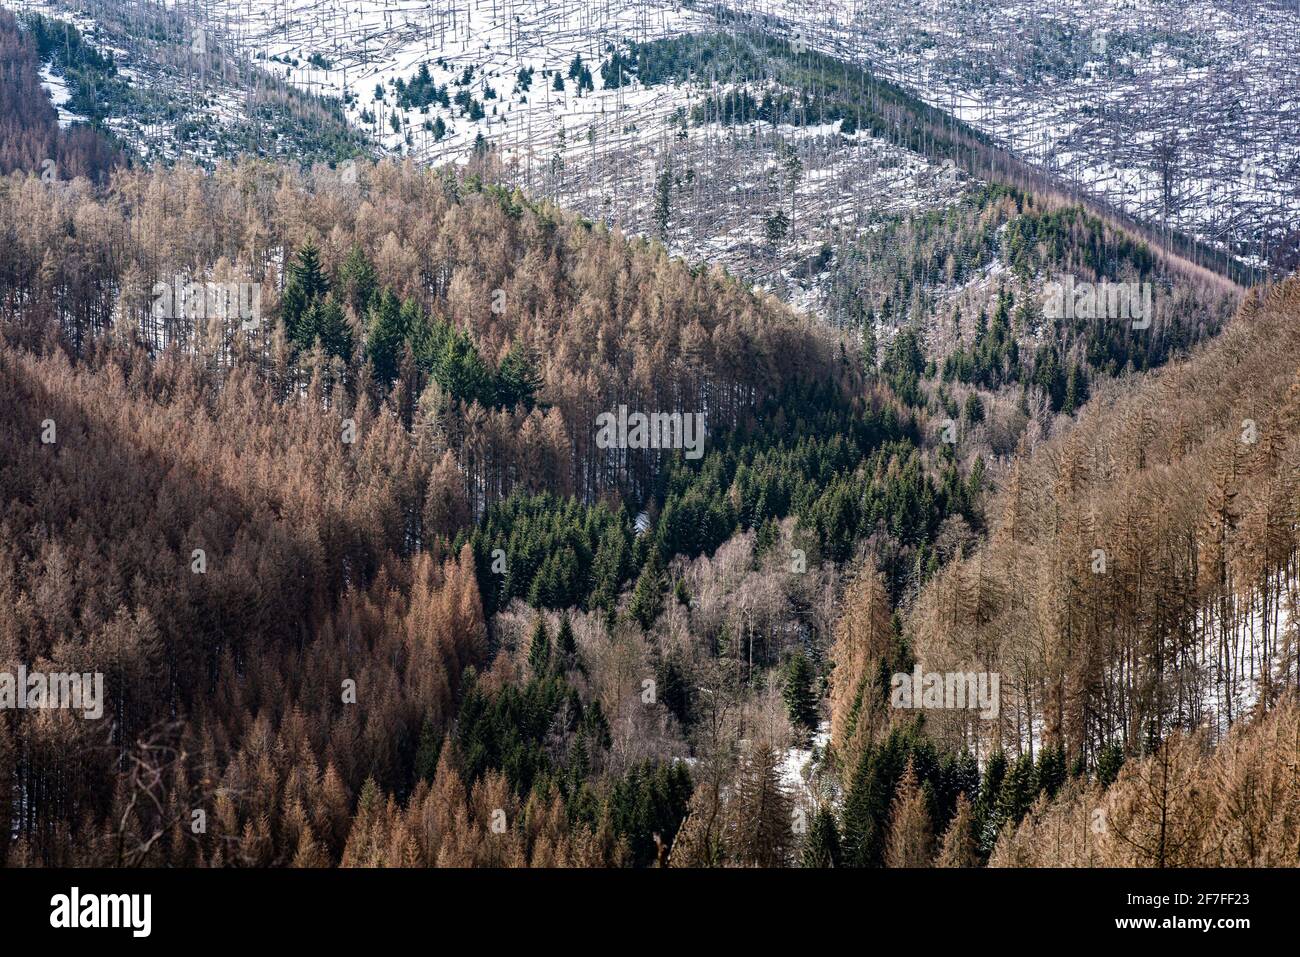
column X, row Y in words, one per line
column 357, row 280
column 332, row 329
column 517, row 379
column 822, row 845
column 306, row 284
column 610, row 568
column 775, row 227
column 387, row 337
column 1109, row 761
column 986, row 807
column 428, row 752
column 1050, row 773
column 800, row 699
column 539, row 648
column 648, row 595
column 566, row 646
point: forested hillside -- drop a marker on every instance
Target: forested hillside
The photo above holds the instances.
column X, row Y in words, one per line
column 30, row 135
column 248, row 523
column 1137, row 594
column 765, row 445
column 367, row 589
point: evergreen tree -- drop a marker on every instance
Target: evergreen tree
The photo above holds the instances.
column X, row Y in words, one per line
column 610, row 567
column 428, row 752
column 566, row 647
column 1076, row 389
column 1016, row 794
column 800, row 699
column 869, row 345
column 648, row 595
column 822, row 845
column 995, row 769
column 517, row 379
column 462, row 372
column 386, row 339
column 358, row 282
column 539, row 648
column 1109, row 761
column 332, row 329
column 672, row 687
column 867, row 804
column 306, row 284
column 1050, row 773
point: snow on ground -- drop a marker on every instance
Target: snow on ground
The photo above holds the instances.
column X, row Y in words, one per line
column 1234, row 665
column 1178, row 111
column 172, row 96
column 798, row 762
column 59, row 95
column 347, row 48
column 600, row 150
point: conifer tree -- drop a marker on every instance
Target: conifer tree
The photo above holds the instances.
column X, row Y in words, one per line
column 358, row 281
column 539, row 648
column 986, row 809
column 386, row 337
column 428, row 752
column 800, row 699
column 761, row 812
column 306, row 284
column 1051, row 770
column 517, row 380
column 1109, row 761
column 822, row 845
column 566, row 646
column 648, row 595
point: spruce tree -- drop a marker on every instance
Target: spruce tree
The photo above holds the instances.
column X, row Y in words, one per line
column 1050, row 773
column 358, row 282
column 566, row 646
column 822, row 845
column 428, row 752
column 386, row 337
column 539, row 648
column 800, row 699
column 995, row 769
column 648, row 595
column 332, row 329
column 517, row 379
column 1016, row 794
column 306, row 284
column 1109, row 761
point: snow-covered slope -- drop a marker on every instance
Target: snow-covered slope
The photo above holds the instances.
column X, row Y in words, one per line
column 532, row 79
column 1185, row 113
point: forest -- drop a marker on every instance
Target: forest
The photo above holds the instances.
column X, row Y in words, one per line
column 365, row 590
column 299, row 452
